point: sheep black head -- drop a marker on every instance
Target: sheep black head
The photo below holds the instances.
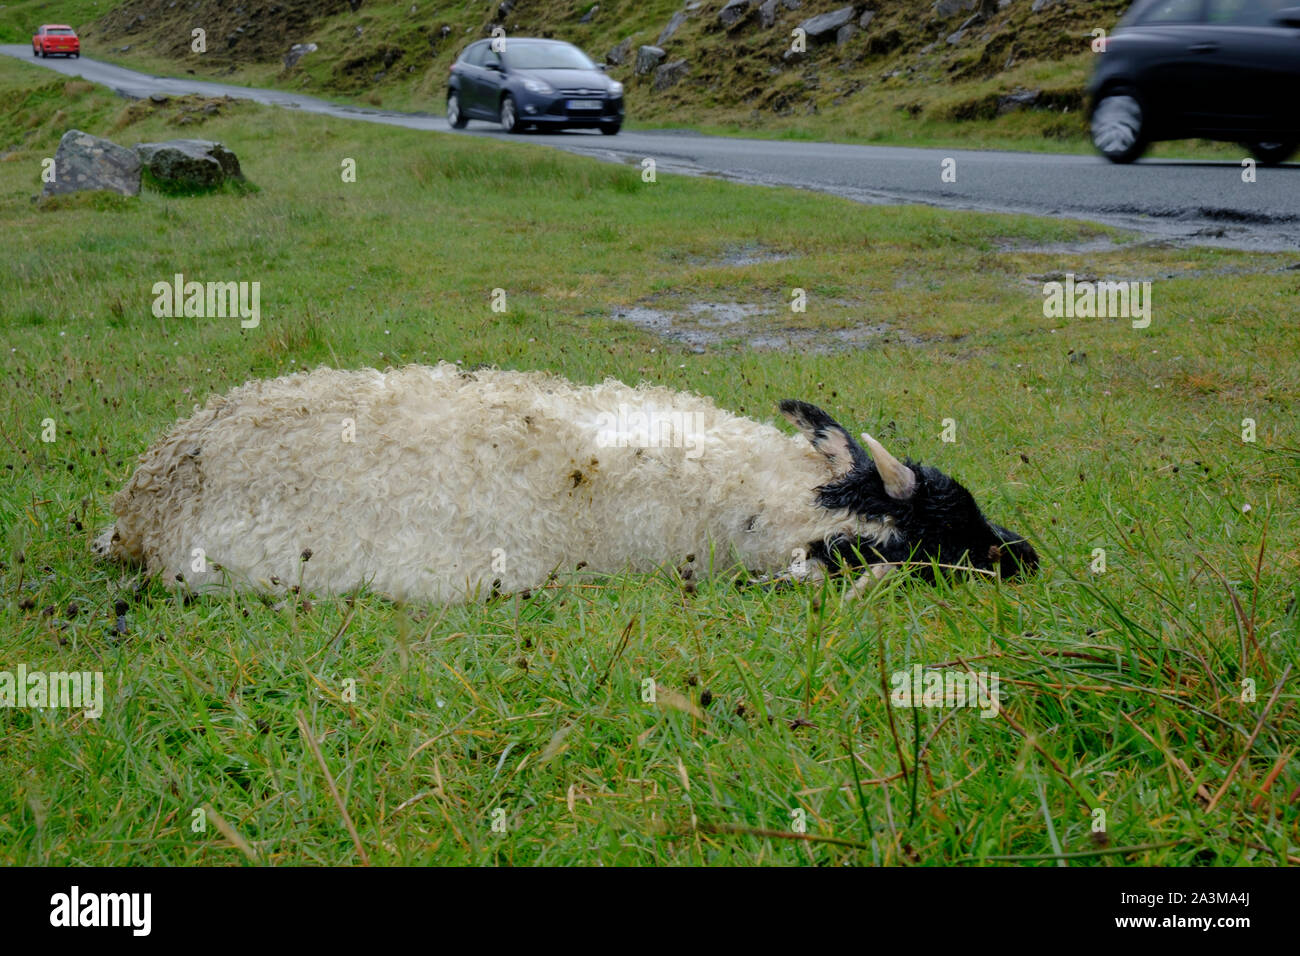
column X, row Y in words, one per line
column 906, row 512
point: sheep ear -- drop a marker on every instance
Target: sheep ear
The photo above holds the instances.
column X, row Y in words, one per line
column 826, row 435
column 900, row 481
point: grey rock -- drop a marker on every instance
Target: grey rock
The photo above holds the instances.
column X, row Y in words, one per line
column 1040, row 5
column 296, row 53
column 674, row 24
column 159, row 98
column 618, row 55
column 947, row 8
column 792, row 4
column 669, row 75
column 844, row 34
column 590, row 14
column 767, row 13
column 189, row 162
column 823, row 25
column 794, row 56
column 647, row 58
column 84, row 162
column 1020, row 99
column 734, row 13
column 864, row 21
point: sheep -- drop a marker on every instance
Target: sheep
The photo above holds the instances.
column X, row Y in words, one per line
column 443, row 485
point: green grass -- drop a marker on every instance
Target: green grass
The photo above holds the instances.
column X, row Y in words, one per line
column 1122, row 690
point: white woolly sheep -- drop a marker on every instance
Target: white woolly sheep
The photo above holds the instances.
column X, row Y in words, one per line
column 438, row 484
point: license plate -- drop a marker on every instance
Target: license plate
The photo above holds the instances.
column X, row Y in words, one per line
column 584, row 104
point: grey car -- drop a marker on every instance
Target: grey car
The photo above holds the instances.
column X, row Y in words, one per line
column 1216, row 69
column 524, row 82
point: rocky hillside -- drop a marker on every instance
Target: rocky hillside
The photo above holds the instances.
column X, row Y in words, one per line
column 865, row 66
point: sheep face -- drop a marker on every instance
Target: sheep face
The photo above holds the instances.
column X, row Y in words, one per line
column 905, row 512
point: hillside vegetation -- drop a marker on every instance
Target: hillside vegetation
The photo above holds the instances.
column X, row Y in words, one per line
column 899, row 70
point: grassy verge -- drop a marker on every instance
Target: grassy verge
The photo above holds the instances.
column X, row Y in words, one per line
column 1122, row 690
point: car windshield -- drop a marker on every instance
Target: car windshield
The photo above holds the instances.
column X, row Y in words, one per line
column 546, row 56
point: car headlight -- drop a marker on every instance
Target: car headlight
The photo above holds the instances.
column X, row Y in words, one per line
column 615, row 88
column 537, row 86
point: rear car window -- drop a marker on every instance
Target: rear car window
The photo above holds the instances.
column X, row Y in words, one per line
column 59, row 33
column 474, row 55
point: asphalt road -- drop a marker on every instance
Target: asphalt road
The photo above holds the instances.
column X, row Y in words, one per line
column 1192, row 202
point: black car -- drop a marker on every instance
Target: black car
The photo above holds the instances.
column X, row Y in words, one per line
column 522, row 83
column 1217, row 69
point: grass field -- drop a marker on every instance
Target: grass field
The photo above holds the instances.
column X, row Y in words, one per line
column 230, row 724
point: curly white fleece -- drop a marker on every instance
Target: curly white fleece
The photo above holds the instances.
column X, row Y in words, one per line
column 457, row 482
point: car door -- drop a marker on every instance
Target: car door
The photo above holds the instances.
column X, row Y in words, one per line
column 1256, row 68
column 467, row 71
column 491, row 82
column 1174, row 38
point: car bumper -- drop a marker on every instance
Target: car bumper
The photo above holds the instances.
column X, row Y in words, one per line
column 61, row 48
column 558, row 109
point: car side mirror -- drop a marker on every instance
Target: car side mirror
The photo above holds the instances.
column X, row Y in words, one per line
column 601, row 67
column 1288, row 17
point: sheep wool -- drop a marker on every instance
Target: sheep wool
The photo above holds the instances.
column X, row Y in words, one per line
column 439, row 484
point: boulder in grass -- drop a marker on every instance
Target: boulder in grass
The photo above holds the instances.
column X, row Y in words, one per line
column 83, row 162
column 647, row 58
column 734, row 13
column 669, row 74
column 189, row 163
column 825, row 25
column 296, row 53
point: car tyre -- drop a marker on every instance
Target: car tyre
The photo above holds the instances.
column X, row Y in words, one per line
column 1118, row 126
column 1270, row 154
column 509, row 116
column 610, row 129
column 455, row 118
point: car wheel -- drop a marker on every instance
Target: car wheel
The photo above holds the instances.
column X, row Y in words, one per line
column 77, row 55
column 1119, row 127
column 455, row 117
column 508, row 117
column 39, row 52
column 1270, row 154
column 611, row 129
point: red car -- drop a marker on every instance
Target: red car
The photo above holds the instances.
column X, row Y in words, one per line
column 54, row 38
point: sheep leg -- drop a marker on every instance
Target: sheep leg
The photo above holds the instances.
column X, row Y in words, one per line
column 867, row 581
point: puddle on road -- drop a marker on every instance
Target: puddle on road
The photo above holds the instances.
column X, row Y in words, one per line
column 703, row 325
